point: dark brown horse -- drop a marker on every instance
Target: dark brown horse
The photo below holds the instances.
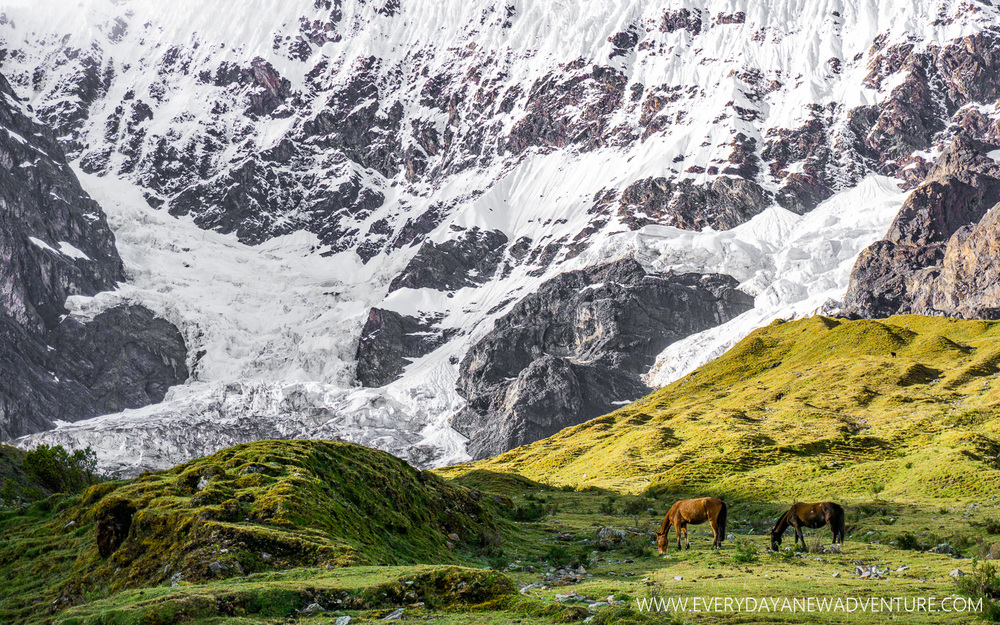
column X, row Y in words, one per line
column 811, row 515
column 693, row 512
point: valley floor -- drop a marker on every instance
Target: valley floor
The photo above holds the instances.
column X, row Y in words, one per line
column 619, row 564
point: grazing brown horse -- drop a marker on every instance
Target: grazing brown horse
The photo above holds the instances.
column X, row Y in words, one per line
column 694, row 512
column 811, row 515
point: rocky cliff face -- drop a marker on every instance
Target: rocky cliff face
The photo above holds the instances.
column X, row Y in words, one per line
column 576, row 348
column 371, row 188
column 928, row 261
column 55, row 242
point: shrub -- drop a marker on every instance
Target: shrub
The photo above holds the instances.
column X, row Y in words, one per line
column 59, row 471
column 635, row 507
column 908, row 541
column 983, row 583
column 498, row 561
column 607, row 506
column 745, row 551
column 531, row 511
column 558, row 556
column 637, row 545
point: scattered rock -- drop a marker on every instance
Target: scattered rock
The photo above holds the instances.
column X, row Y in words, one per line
column 312, row 608
column 565, row 576
column 944, row 548
column 395, row 615
column 218, row 568
column 343, row 620
column 956, row 573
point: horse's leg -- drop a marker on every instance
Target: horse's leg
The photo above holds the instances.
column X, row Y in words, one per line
column 716, row 540
column 800, row 536
column 687, row 541
column 679, row 526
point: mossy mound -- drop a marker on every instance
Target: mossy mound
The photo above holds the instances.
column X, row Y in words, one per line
column 505, row 484
column 288, row 594
column 907, row 407
column 255, row 507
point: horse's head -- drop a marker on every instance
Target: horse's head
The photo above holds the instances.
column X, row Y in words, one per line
column 661, row 542
column 775, row 540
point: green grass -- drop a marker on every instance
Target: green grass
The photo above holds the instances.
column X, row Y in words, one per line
column 352, row 590
column 906, row 409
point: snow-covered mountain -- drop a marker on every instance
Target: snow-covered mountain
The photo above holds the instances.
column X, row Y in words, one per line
column 323, row 194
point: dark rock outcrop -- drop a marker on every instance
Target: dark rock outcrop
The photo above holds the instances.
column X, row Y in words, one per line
column 390, row 341
column 902, row 273
column 113, row 526
column 55, row 242
column 549, row 394
column 469, row 260
column 725, row 203
column 577, row 347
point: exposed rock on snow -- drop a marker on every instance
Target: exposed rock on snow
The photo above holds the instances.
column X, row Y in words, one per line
column 575, row 349
column 924, row 264
column 389, row 342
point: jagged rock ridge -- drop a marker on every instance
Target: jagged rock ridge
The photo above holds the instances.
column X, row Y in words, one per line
column 937, row 257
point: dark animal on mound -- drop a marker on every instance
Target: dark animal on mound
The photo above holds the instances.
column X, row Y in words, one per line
column 811, row 515
column 693, row 512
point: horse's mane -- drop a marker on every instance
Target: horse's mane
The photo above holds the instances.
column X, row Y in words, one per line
column 666, row 522
column 782, row 522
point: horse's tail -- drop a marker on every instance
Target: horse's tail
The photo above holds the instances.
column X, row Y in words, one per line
column 721, row 521
column 840, row 523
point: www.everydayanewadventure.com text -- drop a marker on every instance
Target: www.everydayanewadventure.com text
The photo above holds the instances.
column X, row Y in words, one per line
column 809, row 604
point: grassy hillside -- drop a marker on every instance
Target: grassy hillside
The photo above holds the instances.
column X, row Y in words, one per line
column 906, row 408
column 255, row 507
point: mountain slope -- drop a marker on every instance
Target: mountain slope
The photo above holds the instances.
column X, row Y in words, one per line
column 54, row 243
column 322, row 158
column 817, row 407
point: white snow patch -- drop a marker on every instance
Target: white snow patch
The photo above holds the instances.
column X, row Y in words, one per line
column 797, row 266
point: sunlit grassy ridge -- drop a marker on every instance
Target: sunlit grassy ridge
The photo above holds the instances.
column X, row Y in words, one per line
column 905, row 407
